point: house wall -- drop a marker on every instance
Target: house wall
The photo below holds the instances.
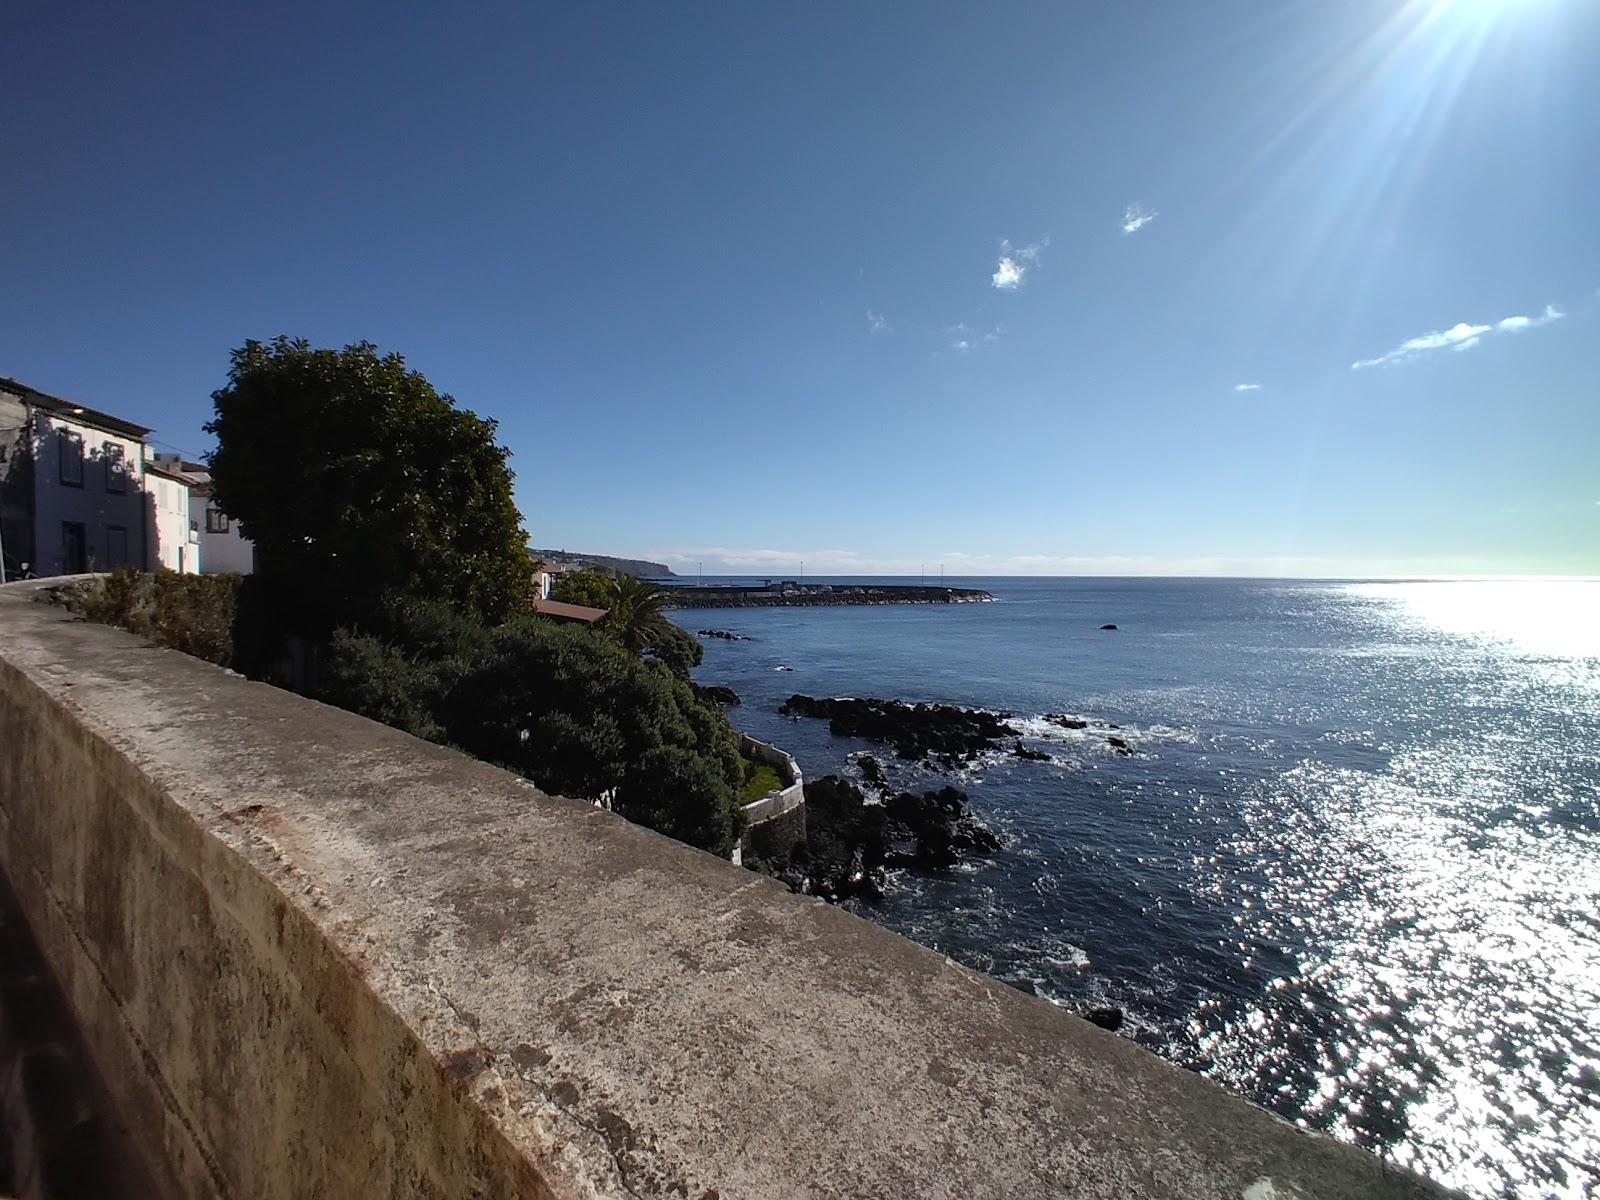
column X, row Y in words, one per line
column 220, row 553
column 102, row 511
column 174, row 544
column 16, row 485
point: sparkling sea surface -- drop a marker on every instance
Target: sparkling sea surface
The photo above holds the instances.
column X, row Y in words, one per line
column 1352, row 870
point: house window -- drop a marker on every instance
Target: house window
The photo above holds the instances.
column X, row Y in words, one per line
column 216, row 521
column 71, row 459
column 116, row 546
column 116, row 469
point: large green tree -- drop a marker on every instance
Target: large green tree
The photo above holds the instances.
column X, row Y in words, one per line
column 358, row 482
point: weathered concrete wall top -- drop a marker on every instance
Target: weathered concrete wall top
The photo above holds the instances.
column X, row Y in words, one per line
column 317, row 957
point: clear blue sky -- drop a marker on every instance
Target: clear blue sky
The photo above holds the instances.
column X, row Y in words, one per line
column 854, row 283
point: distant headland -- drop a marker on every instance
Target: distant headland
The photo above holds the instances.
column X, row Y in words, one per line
column 571, row 560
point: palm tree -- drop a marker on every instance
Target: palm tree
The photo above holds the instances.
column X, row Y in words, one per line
column 636, row 614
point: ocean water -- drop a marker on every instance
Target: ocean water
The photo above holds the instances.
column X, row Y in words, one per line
column 1352, row 870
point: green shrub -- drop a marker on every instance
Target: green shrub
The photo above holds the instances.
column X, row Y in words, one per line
column 191, row 613
column 565, row 706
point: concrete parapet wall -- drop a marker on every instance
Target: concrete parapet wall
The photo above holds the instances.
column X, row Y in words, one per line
column 313, row 956
column 775, row 824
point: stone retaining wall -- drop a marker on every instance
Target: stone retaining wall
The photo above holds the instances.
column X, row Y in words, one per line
column 312, row 956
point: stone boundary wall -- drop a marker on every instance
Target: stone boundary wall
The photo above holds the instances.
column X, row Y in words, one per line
column 776, row 823
column 312, row 956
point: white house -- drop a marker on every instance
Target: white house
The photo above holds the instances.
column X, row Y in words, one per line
column 72, row 496
column 223, row 548
column 176, row 536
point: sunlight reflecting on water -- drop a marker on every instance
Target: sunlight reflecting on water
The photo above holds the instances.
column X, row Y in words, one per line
column 1352, row 870
column 1556, row 617
column 1435, row 921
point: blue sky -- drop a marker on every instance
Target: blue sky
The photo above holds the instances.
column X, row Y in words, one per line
column 869, row 285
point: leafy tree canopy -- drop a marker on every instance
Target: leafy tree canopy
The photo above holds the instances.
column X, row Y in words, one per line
column 635, row 615
column 590, row 588
column 357, row 480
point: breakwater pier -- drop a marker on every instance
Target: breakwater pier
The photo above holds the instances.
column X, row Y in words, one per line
column 789, row 594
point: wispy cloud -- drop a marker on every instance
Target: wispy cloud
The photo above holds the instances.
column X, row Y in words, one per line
column 1247, row 387
column 1136, row 216
column 877, row 322
column 1513, row 324
column 1460, row 336
column 963, row 339
column 1015, row 263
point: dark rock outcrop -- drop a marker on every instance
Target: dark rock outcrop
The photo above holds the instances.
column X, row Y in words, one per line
column 1108, row 627
column 944, row 732
column 871, row 772
column 1119, row 745
column 1027, row 755
column 725, row 635
column 1105, row 1016
column 717, row 694
column 1065, row 721
column 934, row 830
column 849, row 842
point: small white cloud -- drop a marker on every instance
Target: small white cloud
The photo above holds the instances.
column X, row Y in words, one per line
column 1460, row 336
column 876, row 322
column 1015, row 263
column 1136, row 216
column 1009, row 273
column 1514, row 324
column 1247, row 387
column 964, row 340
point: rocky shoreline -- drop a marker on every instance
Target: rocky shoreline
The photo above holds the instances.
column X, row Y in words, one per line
column 852, row 842
column 943, row 733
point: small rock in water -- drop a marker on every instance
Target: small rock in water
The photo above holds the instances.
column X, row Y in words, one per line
column 1119, row 745
column 871, row 770
column 783, row 668
column 1108, row 627
column 1104, row 1016
column 1067, row 722
column 1027, row 755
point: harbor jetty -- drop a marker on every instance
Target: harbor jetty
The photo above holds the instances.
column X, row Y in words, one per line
column 790, row 594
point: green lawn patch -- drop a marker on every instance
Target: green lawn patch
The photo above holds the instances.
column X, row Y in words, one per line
column 760, row 780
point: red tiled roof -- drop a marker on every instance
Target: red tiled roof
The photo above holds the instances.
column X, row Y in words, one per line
column 568, row 612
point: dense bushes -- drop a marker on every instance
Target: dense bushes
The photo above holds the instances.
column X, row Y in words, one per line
column 568, row 707
column 191, row 613
column 635, row 616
